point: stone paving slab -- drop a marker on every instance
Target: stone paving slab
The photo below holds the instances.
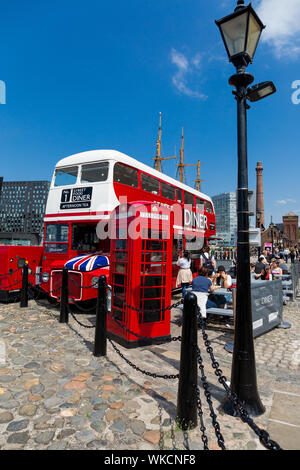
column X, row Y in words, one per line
column 54, row 394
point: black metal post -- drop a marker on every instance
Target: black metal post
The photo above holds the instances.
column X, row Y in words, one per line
column 243, row 375
column 186, row 400
column 64, row 298
column 100, row 344
column 24, row 290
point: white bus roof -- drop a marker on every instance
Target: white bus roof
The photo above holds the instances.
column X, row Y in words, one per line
column 93, row 156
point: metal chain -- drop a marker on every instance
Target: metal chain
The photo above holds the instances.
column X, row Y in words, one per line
column 263, row 435
column 10, row 274
column 12, row 285
column 78, row 285
column 161, row 432
column 200, row 414
column 207, row 394
column 79, row 323
column 149, row 374
column 82, row 309
column 121, row 325
column 144, row 310
column 173, row 436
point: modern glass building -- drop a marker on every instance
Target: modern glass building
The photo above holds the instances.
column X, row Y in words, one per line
column 22, row 209
column 226, row 217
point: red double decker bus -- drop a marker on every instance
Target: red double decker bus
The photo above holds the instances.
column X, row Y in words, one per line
column 86, row 188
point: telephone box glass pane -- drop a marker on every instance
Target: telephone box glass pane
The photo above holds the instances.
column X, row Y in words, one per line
column 121, row 255
column 120, row 268
column 152, row 280
column 121, row 244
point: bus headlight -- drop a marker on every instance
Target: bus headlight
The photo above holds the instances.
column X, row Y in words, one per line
column 94, row 282
column 45, row 277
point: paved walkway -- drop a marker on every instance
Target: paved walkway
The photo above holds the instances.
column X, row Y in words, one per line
column 54, row 394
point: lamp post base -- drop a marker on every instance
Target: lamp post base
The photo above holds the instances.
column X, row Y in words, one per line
column 254, row 408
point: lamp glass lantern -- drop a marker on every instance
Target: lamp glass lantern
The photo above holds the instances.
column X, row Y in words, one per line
column 241, row 32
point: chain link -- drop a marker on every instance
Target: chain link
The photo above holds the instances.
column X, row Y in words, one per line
column 161, row 443
column 207, row 394
column 79, row 322
column 263, row 435
column 149, row 374
column 200, row 414
column 144, row 310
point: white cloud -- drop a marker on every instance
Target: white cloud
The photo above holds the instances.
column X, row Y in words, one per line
column 286, row 201
column 185, row 68
column 282, row 20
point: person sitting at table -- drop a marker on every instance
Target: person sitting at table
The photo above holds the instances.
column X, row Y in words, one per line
column 283, row 265
column 275, row 268
column 264, row 275
column 201, row 286
column 223, row 280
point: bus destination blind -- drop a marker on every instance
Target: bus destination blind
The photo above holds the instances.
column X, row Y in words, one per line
column 76, row 198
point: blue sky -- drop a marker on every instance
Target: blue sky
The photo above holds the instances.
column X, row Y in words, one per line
column 94, row 74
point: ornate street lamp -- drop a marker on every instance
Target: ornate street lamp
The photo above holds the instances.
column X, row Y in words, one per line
column 241, row 32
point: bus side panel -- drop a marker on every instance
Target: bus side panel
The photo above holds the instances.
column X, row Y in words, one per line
column 12, row 259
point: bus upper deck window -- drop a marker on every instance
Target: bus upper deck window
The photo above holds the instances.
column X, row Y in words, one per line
column 66, row 176
column 167, row 190
column 199, row 204
column 179, row 195
column 150, row 184
column 188, row 198
column 94, row 172
column 126, row 175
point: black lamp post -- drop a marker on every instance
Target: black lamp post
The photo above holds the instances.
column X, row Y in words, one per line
column 241, row 32
column 272, row 227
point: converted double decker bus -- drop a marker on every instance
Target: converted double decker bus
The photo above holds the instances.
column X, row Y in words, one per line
column 85, row 189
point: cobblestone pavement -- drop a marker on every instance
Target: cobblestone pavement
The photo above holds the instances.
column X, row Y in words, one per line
column 54, row 394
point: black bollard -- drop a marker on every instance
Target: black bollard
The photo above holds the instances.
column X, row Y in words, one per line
column 100, row 344
column 24, row 290
column 64, row 298
column 186, row 400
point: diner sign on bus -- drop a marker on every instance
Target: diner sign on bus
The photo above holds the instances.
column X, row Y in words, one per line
column 76, row 198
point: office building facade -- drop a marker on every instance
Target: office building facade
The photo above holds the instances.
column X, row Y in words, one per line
column 22, row 210
column 226, row 217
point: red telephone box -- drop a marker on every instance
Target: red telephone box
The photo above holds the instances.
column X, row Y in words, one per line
column 140, row 273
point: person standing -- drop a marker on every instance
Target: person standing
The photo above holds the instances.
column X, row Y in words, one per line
column 185, row 276
column 206, row 260
column 286, row 254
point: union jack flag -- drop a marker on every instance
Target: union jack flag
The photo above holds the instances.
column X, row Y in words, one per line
column 87, row 262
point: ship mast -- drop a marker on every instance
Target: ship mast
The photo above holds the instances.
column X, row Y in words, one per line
column 198, row 180
column 158, row 158
column 181, row 166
